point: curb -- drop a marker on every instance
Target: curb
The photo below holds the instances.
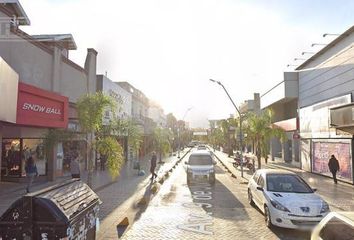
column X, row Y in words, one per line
column 230, row 171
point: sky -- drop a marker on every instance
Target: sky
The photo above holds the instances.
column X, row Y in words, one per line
column 169, row 49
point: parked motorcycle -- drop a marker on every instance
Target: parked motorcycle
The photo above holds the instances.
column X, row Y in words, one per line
column 246, row 163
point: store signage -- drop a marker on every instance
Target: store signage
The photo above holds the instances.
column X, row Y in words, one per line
column 296, row 135
column 41, row 108
column 38, row 107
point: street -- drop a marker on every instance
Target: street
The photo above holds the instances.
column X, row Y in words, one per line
column 202, row 211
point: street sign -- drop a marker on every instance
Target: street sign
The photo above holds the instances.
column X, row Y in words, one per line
column 296, row 135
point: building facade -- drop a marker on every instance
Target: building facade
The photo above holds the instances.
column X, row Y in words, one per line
column 326, row 89
column 283, row 100
column 157, row 114
column 37, row 72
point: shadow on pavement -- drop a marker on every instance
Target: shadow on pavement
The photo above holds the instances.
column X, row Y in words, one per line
column 224, row 203
column 283, row 234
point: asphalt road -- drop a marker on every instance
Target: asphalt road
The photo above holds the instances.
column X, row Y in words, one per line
column 201, row 211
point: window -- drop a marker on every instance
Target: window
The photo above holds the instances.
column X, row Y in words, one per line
column 287, row 183
column 255, row 177
column 11, row 158
column 200, row 160
column 15, row 153
column 34, row 148
column 261, row 181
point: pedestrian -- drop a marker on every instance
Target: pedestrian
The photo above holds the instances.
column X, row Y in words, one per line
column 333, row 166
column 153, row 165
column 31, row 172
column 103, row 161
column 75, row 166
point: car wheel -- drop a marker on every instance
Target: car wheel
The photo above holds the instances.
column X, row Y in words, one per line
column 250, row 198
column 267, row 217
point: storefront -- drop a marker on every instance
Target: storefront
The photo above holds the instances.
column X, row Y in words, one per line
column 37, row 110
column 320, row 139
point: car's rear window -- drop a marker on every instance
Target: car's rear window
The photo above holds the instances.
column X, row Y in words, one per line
column 200, row 160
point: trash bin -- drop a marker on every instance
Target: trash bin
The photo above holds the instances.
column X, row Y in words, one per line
column 64, row 211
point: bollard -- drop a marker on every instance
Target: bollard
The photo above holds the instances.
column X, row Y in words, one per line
column 122, row 226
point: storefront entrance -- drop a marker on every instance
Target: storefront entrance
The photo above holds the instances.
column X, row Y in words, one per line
column 15, row 153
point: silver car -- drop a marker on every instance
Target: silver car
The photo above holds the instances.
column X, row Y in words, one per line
column 200, row 166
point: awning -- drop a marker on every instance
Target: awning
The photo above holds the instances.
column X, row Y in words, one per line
column 342, row 117
column 288, row 125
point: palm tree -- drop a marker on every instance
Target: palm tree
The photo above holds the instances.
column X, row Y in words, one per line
column 260, row 130
column 216, row 137
column 90, row 110
column 161, row 141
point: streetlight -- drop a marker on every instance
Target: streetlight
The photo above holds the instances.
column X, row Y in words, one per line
column 330, row 34
column 292, row 65
column 239, row 113
column 318, row 44
column 303, row 53
column 178, row 130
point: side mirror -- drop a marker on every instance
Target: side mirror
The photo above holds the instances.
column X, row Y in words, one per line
column 260, row 188
column 186, row 163
column 214, row 162
column 314, row 189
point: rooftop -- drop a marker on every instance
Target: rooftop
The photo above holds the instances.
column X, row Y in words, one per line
column 14, row 7
column 66, row 39
column 327, row 47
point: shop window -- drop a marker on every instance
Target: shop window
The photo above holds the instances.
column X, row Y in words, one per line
column 34, row 148
column 11, row 158
column 70, row 149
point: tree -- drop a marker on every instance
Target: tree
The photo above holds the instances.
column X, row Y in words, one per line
column 260, row 130
column 161, row 141
column 135, row 136
column 216, row 137
column 91, row 108
column 171, row 123
column 128, row 128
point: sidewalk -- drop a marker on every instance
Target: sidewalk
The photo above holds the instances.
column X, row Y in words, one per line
column 122, row 200
column 340, row 197
column 10, row 191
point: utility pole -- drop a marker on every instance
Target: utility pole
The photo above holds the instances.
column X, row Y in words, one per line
column 239, row 113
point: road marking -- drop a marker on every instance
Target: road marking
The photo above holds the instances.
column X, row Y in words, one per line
column 197, row 228
column 198, row 223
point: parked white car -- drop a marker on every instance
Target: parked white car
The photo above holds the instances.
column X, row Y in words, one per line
column 286, row 199
column 200, row 166
column 336, row 225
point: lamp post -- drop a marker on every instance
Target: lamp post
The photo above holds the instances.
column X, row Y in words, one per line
column 178, row 132
column 239, row 113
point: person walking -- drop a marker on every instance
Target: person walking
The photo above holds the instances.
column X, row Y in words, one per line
column 75, row 167
column 333, row 166
column 103, row 161
column 31, row 172
column 153, row 165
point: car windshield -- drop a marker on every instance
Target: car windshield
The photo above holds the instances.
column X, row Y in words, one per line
column 200, row 160
column 287, row 183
